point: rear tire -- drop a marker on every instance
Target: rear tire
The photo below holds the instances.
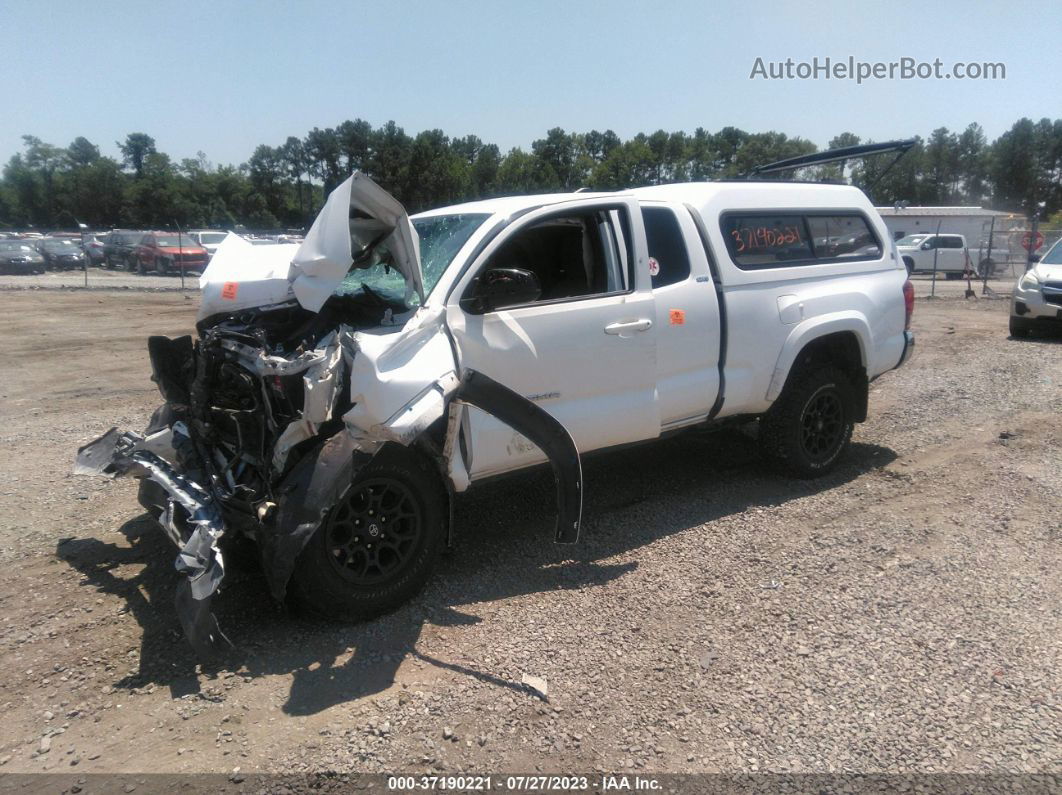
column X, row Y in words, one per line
column 810, row 426
column 378, row 545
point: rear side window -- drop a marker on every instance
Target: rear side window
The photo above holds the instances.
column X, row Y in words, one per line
column 839, row 236
column 951, row 242
column 669, row 260
column 768, row 240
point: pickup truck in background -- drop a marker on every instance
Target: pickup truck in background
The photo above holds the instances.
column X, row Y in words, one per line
column 341, row 392
column 925, row 253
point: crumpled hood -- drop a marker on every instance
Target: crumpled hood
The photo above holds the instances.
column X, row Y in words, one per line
column 242, row 275
column 358, row 214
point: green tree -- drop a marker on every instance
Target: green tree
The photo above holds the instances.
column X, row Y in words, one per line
column 389, row 158
column 135, row 150
column 437, row 175
column 972, row 154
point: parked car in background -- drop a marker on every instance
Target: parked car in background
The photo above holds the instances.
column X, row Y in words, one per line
column 61, row 253
column 946, row 254
column 1036, row 303
column 92, row 245
column 169, row 252
column 209, row 239
column 19, row 256
column 987, row 261
column 118, row 245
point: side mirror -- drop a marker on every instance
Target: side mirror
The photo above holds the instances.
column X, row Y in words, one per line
column 926, row 246
column 498, row 288
column 1034, row 258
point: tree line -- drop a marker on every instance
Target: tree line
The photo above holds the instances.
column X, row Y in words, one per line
column 282, row 187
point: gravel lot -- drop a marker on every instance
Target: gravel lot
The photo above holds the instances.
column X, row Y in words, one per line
column 902, row 614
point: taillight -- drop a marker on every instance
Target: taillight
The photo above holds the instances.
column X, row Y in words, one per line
column 908, row 304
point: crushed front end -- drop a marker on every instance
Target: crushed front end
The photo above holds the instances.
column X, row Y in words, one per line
column 293, row 386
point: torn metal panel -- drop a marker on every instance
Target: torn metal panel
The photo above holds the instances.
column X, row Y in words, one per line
column 400, row 382
column 453, row 453
column 357, row 216
column 310, row 490
column 538, row 425
column 111, row 455
column 321, row 386
column 199, row 623
column 98, row 456
column 199, row 558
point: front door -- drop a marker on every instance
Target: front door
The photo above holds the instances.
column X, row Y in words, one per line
column 585, row 349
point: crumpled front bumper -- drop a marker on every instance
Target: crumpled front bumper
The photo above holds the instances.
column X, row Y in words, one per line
column 190, row 517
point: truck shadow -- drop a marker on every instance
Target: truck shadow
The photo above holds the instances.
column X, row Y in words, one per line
column 633, row 498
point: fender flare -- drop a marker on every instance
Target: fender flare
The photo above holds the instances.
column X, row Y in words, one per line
column 807, row 331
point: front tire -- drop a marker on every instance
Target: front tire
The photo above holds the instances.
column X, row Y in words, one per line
column 810, row 425
column 378, row 545
column 1019, row 327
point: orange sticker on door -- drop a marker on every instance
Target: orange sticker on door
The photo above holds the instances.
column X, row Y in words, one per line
column 229, row 289
column 678, row 317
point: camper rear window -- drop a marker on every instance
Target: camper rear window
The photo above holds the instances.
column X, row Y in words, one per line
column 768, row 240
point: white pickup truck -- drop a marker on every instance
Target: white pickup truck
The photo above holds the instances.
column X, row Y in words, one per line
column 341, row 392
column 926, row 253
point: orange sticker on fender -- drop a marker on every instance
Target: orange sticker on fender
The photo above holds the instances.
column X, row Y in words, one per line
column 229, row 289
column 678, row 317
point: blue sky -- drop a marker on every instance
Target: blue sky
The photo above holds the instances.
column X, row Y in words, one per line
column 222, row 77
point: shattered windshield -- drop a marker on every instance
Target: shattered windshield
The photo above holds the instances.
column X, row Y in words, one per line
column 441, row 237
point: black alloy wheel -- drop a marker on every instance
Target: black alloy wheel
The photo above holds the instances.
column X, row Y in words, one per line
column 822, row 424
column 373, row 533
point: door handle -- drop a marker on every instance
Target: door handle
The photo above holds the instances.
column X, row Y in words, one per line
column 628, row 326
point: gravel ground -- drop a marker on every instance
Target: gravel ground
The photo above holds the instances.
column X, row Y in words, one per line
column 900, row 615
